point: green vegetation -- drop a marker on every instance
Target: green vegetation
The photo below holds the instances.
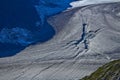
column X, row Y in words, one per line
column 109, row 71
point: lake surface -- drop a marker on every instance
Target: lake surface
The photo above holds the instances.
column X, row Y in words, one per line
column 22, row 24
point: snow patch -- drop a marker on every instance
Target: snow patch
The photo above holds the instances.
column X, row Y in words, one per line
column 88, row 2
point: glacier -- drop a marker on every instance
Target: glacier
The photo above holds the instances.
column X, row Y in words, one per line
column 86, row 38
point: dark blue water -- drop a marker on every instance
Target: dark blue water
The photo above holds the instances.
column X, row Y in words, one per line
column 21, row 24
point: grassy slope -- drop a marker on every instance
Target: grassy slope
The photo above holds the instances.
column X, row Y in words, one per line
column 109, row 71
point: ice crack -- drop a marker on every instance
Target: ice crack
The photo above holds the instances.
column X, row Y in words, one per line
column 85, row 37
